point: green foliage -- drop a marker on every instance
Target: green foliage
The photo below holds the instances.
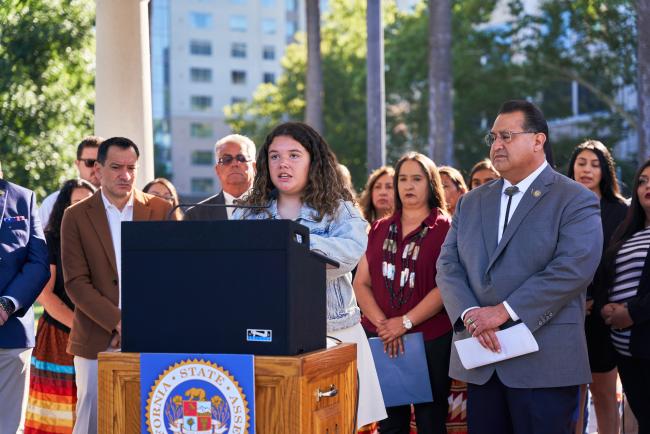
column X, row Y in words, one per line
column 535, row 56
column 46, row 88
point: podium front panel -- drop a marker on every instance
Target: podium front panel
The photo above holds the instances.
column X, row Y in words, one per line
column 247, row 287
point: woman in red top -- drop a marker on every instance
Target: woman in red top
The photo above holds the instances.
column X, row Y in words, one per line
column 396, row 288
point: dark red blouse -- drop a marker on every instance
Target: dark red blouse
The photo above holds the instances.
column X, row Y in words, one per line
column 425, row 270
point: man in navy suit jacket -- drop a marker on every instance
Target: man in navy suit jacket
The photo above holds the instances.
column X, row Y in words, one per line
column 24, row 270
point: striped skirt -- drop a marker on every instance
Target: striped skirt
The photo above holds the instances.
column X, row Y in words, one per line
column 52, row 389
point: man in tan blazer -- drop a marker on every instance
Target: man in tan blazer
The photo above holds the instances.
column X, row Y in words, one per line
column 91, row 257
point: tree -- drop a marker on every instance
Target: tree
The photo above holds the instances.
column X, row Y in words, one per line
column 375, row 87
column 46, row 93
column 314, row 88
column 643, row 87
column 441, row 137
column 537, row 56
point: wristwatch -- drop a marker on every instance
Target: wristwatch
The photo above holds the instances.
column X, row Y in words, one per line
column 7, row 305
column 406, row 322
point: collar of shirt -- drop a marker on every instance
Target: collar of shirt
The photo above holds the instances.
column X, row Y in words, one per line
column 229, row 199
column 523, row 185
column 307, row 213
column 125, row 212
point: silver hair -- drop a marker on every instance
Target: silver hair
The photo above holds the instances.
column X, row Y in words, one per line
column 246, row 143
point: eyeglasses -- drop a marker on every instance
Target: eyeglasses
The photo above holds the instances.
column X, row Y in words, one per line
column 88, row 162
column 505, row 136
column 168, row 198
column 226, row 160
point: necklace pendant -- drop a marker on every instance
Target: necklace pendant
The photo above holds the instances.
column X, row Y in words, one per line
column 415, row 253
column 402, row 278
column 385, row 244
column 391, row 271
column 412, row 281
column 384, row 269
column 405, row 252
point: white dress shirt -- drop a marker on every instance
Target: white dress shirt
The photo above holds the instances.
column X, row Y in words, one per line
column 115, row 218
column 230, row 200
column 522, row 185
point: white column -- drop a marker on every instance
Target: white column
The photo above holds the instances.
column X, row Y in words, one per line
column 123, row 80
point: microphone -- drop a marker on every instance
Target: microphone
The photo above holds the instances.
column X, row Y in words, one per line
column 273, row 194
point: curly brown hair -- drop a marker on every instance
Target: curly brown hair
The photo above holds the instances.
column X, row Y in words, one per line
column 325, row 185
column 436, row 194
column 365, row 201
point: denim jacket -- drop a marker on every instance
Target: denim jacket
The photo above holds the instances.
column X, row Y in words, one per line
column 342, row 238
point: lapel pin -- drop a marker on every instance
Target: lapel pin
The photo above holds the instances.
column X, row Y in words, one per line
column 537, row 193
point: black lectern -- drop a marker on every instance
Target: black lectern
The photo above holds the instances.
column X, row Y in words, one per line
column 248, row 287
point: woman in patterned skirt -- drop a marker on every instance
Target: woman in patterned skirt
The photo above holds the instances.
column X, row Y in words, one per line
column 627, row 291
column 52, row 391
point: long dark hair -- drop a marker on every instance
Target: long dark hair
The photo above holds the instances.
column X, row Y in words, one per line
column 63, row 201
column 365, row 201
column 484, row 164
column 325, row 186
column 436, row 194
column 634, row 221
column 608, row 182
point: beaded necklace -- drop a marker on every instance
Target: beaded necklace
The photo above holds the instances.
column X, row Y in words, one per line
column 407, row 261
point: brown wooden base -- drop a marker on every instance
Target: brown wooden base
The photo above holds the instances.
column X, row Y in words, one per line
column 287, row 392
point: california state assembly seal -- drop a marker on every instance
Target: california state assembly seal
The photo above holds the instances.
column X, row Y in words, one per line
column 197, row 397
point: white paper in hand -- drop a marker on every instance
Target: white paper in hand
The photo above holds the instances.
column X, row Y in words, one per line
column 515, row 341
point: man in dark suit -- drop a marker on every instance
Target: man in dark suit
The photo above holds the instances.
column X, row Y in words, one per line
column 91, row 258
column 24, row 270
column 522, row 248
column 235, row 168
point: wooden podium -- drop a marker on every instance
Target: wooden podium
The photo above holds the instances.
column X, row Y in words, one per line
column 311, row 393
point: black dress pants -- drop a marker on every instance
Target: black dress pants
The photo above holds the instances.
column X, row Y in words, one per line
column 635, row 377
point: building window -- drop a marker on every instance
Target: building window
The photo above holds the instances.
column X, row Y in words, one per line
column 268, row 52
column 201, row 75
column 201, row 20
column 202, row 158
column 201, row 130
column 269, row 26
column 292, row 5
column 238, row 77
column 201, row 48
column 238, row 49
column 237, row 100
column 201, row 102
column 268, row 77
column 291, row 28
column 238, row 23
column 202, row 185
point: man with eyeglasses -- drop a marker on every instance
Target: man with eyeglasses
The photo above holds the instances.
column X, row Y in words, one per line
column 85, row 163
column 522, row 249
column 235, row 168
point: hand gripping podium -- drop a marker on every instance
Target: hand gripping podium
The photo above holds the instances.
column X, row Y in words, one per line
column 243, row 287
column 250, row 287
